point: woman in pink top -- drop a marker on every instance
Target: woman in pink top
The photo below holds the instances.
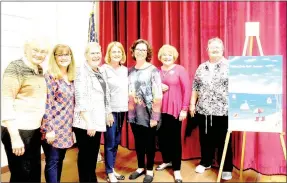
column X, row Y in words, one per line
column 175, row 103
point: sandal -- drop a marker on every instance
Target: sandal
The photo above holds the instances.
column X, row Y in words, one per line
column 120, row 177
column 160, row 168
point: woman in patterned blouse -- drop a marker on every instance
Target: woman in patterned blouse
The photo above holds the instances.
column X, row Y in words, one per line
column 210, row 100
column 92, row 111
column 175, row 103
column 144, row 108
column 57, row 121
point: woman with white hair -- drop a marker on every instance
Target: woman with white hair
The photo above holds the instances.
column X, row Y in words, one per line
column 210, row 100
column 92, row 111
column 24, row 93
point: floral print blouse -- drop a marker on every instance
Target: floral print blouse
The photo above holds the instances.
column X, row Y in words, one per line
column 212, row 88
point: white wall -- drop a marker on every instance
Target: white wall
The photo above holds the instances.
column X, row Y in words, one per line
column 60, row 22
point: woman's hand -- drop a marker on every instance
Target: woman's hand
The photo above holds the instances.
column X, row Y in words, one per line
column 164, row 87
column 182, row 115
column 110, row 120
column 18, row 147
column 50, row 136
column 153, row 123
column 192, row 110
column 91, row 133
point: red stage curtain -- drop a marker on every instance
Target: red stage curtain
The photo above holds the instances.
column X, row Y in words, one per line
column 188, row 26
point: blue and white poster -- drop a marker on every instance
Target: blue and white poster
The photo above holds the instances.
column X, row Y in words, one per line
column 255, row 93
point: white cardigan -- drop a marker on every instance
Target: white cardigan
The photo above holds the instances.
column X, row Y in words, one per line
column 89, row 96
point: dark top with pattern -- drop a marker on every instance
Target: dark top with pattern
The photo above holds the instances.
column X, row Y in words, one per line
column 145, row 95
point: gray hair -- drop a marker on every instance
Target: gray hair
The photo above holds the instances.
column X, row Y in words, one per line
column 215, row 39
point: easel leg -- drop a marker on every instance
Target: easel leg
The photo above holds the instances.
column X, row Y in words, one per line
column 245, row 46
column 283, row 144
column 259, row 46
column 242, row 156
column 223, row 155
column 250, row 45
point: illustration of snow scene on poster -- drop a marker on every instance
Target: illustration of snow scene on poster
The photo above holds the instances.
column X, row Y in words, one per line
column 255, row 93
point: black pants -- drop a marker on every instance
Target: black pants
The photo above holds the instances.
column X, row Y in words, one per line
column 213, row 136
column 25, row 168
column 145, row 145
column 87, row 155
column 169, row 137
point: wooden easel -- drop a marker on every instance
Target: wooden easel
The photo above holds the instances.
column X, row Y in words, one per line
column 251, row 30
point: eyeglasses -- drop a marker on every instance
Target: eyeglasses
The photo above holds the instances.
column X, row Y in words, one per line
column 214, row 48
column 115, row 52
column 39, row 51
column 141, row 50
column 63, row 55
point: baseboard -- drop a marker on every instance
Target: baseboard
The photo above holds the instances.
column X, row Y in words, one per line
column 5, row 169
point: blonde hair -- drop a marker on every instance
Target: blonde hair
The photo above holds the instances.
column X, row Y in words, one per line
column 109, row 48
column 216, row 39
column 170, row 48
column 91, row 44
column 53, row 67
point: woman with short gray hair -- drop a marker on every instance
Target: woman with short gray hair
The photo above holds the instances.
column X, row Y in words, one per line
column 92, row 111
column 210, row 101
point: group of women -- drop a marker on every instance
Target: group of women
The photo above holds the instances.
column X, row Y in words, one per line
column 94, row 98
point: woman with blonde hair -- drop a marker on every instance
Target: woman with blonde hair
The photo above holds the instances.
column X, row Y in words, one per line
column 175, row 103
column 117, row 78
column 92, row 111
column 58, row 118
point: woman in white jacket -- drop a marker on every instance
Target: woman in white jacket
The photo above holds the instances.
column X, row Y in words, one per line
column 92, row 111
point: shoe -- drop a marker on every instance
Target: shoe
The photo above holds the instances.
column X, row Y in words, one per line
column 108, row 180
column 161, row 167
column 201, row 168
column 135, row 175
column 226, row 175
column 120, row 177
column 148, row 179
column 178, row 180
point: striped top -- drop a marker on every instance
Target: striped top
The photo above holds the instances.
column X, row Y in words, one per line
column 23, row 96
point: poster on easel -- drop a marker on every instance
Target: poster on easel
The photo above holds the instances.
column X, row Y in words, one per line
column 255, row 93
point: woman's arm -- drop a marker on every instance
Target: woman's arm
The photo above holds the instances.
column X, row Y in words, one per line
column 195, row 89
column 157, row 95
column 11, row 85
column 83, row 96
column 185, row 86
column 51, row 110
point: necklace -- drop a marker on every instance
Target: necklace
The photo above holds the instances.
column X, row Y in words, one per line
column 168, row 71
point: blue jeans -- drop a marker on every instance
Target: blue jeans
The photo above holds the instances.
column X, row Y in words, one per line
column 112, row 140
column 54, row 162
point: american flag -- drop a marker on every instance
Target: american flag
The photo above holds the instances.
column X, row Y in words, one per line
column 92, row 37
